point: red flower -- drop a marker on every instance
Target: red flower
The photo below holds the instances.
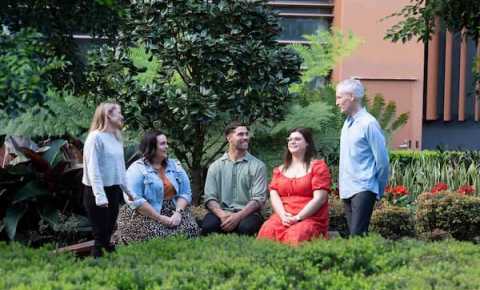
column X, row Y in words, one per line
column 397, row 191
column 466, row 189
column 439, row 187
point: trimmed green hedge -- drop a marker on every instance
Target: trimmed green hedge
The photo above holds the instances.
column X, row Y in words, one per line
column 232, row 262
column 451, row 212
column 393, row 222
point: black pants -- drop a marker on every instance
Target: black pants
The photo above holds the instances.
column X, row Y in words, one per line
column 102, row 219
column 248, row 226
column 358, row 211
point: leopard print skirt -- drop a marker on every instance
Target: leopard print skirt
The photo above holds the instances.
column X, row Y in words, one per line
column 132, row 226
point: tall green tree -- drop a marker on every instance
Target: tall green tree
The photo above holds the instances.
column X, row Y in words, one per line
column 27, row 65
column 59, row 21
column 219, row 62
column 42, row 65
column 418, row 19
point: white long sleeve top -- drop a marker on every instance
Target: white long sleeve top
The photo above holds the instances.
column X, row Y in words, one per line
column 103, row 164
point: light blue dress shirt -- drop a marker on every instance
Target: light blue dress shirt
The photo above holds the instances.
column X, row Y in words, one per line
column 363, row 156
column 145, row 184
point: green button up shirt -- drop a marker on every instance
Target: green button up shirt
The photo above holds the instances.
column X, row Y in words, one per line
column 235, row 183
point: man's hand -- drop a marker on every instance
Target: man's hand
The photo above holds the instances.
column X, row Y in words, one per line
column 224, row 215
column 231, row 222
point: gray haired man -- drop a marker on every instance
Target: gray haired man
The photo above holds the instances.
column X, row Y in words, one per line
column 364, row 161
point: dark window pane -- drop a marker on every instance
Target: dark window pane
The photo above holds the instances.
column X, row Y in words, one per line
column 293, row 28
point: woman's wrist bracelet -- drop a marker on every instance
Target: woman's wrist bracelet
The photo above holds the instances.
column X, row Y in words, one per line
column 180, row 210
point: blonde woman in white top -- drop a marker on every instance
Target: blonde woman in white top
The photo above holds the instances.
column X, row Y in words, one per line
column 104, row 174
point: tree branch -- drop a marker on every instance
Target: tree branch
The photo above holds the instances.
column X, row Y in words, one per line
column 210, row 160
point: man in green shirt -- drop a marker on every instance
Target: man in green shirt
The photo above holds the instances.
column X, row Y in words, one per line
column 236, row 187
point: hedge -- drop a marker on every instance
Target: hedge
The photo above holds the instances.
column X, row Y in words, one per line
column 337, row 220
column 393, row 222
column 456, row 214
column 233, row 262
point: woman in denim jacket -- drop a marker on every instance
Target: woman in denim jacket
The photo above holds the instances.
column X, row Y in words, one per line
column 162, row 194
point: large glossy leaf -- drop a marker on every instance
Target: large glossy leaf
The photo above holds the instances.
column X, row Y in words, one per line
column 21, row 158
column 50, row 215
column 77, row 223
column 17, row 170
column 30, row 190
column 11, row 219
column 38, row 163
column 53, row 151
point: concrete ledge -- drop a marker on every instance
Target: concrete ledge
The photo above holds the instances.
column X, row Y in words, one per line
column 81, row 249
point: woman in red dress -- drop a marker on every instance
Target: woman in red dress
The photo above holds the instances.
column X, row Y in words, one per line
column 298, row 193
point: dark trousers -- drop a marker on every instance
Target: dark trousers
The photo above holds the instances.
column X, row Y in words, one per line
column 358, row 211
column 248, row 226
column 102, row 219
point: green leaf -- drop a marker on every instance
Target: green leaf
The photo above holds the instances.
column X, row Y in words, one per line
column 28, row 191
column 54, row 148
column 11, row 219
column 50, row 215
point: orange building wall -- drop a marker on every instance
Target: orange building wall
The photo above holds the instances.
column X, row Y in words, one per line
column 392, row 69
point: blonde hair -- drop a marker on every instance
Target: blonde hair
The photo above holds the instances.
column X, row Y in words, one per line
column 100, row 118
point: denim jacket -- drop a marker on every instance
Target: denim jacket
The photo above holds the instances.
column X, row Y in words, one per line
column 146, row 186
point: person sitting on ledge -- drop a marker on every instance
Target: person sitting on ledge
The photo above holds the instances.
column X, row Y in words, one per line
column 298, row 193
column 236, row 187
column 162, row 195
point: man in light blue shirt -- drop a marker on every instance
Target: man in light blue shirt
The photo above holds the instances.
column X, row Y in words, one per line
column 364, row 161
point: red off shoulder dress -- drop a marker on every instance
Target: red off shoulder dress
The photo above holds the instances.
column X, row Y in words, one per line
column 295, row 193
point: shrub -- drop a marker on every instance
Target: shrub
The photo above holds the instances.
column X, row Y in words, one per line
column 393, row 222
column 234, row 262
column 454, row 213
column 41, row 194
column 338, row 222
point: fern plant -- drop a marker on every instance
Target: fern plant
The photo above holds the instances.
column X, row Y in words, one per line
column 325, row 50
column 314, row 106
column 386, row 114
column 62, row 114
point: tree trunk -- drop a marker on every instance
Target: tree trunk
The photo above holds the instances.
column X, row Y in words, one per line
column 197, row 168
column 197, row 183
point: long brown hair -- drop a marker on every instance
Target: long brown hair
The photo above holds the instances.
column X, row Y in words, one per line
column 310, row 151
column 148, row 146
column 100, row 118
